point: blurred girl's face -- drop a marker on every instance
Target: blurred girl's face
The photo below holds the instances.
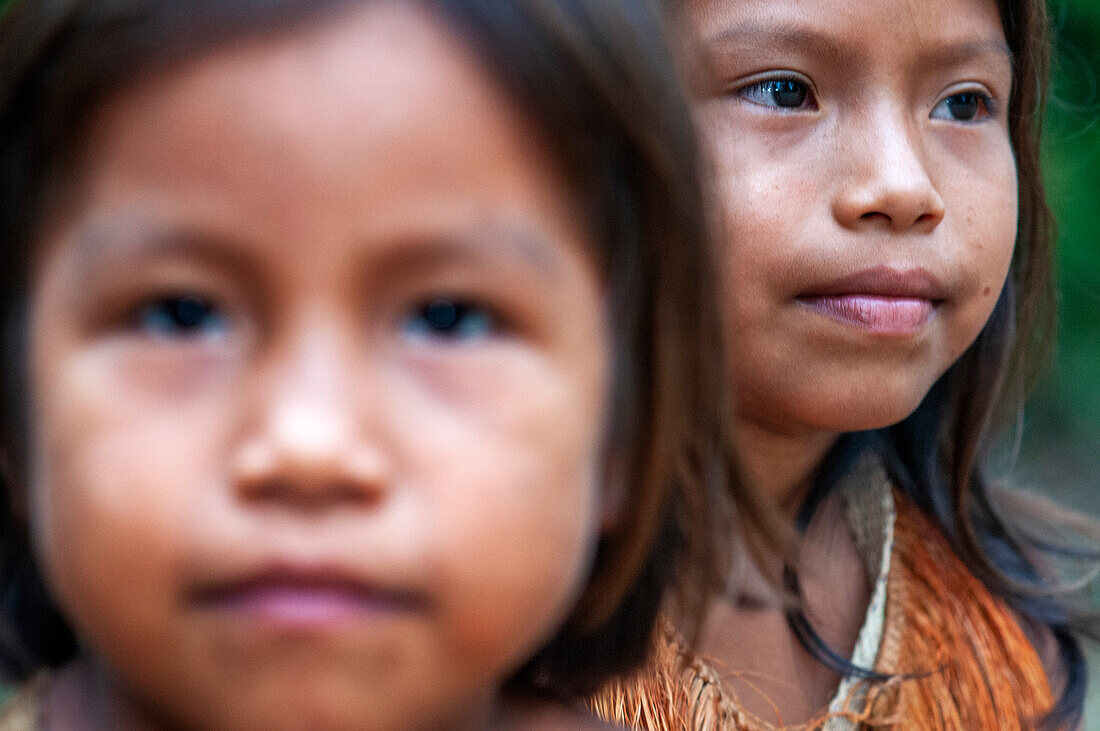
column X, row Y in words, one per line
column 870, row 192
column 319, row 370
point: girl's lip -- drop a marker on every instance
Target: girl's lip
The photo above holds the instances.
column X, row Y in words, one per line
column 290, row 598
column 879, row 315
column 884, row 282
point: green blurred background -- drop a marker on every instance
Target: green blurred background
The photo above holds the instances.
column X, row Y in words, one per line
column 1060, row 454
column 1061, row 447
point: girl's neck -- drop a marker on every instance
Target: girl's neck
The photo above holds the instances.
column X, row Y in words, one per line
column 781, row 463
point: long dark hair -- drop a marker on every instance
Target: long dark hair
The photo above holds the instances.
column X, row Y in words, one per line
column 936, row 456
column 597, row 79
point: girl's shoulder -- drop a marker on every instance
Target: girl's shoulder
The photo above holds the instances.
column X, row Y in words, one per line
column 959, row 655
column 954, row 655
column 21, row 706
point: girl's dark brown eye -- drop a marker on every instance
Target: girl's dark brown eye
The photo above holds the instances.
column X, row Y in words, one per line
column 967, row 106
column 184, row 316
column 782, row 93
column 451, row 319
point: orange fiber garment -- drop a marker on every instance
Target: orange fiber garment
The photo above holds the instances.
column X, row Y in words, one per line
column 959, row 658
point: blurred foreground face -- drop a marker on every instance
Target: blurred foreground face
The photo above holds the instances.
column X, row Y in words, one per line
column 870, row 191
column 319, row 367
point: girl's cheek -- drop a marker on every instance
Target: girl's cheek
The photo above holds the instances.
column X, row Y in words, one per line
column 541, row 531
column 107, row 523
column 984, row 226
column 159, row 376
column 508, row 458
column 121, row 452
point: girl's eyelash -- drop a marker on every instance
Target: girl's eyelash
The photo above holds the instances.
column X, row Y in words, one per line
column 452, row 320
column 791, row 93
column 179, row 316
column 786, row 92
column 190, row 317
column 966, row 106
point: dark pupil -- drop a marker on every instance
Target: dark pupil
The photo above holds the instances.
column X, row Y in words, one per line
column 187, row 312
column 788, row 93
column 443, row 315
column 963, row 106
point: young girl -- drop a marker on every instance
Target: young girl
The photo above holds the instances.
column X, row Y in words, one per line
column 354, row 360
column 877, row 165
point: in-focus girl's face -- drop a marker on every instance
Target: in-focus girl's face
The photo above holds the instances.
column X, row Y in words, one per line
column 870, row 193
column 319, row 370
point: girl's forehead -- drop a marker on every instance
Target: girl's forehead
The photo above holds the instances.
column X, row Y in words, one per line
column 359, row 150
column 382, row 124
column 847, row 31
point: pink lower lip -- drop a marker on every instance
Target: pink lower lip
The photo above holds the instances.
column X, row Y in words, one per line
column 306, row 607
column 875, row 314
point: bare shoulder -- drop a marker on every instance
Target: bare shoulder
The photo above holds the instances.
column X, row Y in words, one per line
column 545, row 716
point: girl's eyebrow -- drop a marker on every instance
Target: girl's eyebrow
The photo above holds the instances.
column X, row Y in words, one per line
column 795, row 37
column 783, row 36
column 958, row 53
column 121, row 241
column 497, row 244
column 127, row 241
column 492, row 239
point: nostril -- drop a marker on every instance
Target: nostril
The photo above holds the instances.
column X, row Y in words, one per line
column 309, row 494
column 268, row 491
column 348, row 492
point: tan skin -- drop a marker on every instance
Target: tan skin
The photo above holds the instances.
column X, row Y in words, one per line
column 319, row 364
column 869, row 189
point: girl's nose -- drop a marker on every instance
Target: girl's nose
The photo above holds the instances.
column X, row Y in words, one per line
column 885, row 181
column 308, row 447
